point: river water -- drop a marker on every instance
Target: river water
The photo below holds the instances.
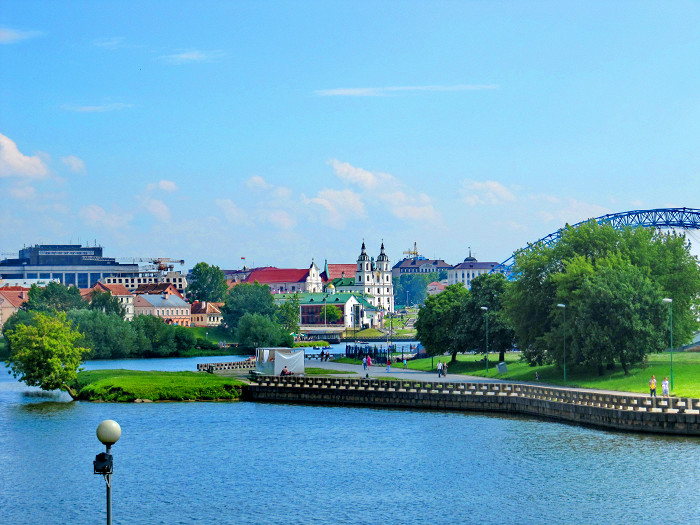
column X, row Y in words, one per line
column 275, row 463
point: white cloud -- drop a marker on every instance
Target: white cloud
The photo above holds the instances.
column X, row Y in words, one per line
column 95, row 215
column 10, row 36
column 165, row 185
column 362, row 177
column 14, row 164
column 281, row 219
column 100, row 108
column 417, row 207
column 190, row 57
column 110, row 43
column 232, row 213
column 383, row 91
column 75, row 164
column 341, row 205
column 158, row 209
column 23, row 193
column 489, row 192
column 256, row 182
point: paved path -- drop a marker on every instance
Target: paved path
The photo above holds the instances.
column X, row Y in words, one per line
column 398, row 371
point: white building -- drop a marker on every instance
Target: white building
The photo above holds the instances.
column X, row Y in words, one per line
column 466, row 271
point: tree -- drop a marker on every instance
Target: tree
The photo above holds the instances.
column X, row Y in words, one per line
column 487, row 290
column 437, row 320
column 45, row 353
column 331, row 313
column 591, row 264
column 105, row 302
column 288, row 315
column 413, row 288
column 54, row 298
column 256, row 330
column 108, row 336
column 207, row 283
column 154, row 337
column 247, row 298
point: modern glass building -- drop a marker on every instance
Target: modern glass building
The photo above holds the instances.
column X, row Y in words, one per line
column 71, row 264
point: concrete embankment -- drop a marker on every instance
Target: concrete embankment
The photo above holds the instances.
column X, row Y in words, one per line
column 612, row 411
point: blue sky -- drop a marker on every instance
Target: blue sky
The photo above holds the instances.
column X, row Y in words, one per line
column 289, row 131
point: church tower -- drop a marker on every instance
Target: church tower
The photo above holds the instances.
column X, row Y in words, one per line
column 384, row 281
column 373, row 278
column 363, row 275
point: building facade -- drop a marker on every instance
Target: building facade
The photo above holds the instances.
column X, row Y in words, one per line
column 466, row 271
column 70, row 264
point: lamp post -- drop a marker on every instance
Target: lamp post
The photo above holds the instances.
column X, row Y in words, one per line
column 486, row 310
column 108, row 432
column 563, row 307
column 670, row 309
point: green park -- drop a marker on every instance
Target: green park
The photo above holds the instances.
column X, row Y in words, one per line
column 600, row 309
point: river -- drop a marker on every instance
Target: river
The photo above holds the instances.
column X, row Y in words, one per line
column 274, row 463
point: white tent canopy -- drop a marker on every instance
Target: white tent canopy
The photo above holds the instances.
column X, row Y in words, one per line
column 271, row 361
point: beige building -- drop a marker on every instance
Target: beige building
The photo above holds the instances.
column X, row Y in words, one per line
column 206, row 313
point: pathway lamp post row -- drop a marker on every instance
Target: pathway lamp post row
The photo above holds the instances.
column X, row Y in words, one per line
column 670, row 309
column 486, row 311
column 108, row 432
column 563, row 307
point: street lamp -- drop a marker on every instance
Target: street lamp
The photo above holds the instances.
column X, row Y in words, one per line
column 563, row 307
column 670, row 309
column 486, row 310
column 108, row 432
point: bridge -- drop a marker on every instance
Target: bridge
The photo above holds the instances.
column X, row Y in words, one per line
column 666, row 218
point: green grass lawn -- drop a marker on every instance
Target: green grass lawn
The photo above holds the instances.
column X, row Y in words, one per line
column 686, row 372
column 128, row 385
column 324, row 372
column 213, row 334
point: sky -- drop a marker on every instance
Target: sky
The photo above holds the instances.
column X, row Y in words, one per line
column 291, row 132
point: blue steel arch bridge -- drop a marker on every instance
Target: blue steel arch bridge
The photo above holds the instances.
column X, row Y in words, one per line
column 687, row 219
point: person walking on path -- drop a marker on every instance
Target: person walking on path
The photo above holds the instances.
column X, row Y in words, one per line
column 664, row 387
column 652, row 386
column 388, row 364
column 439, row 368
column 444, row 369
column 364, row 363
column 404, row 363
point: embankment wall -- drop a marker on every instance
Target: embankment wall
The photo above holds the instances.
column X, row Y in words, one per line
column 613, row 411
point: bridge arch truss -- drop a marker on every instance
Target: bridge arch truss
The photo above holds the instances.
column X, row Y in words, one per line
column 661, row 218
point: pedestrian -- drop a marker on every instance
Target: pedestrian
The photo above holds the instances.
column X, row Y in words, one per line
column 444, row 369
column 652, row 386
column 388, row 365
column 664, row 387
column 364, row 363
column 369, row 361
column 439, row 368
column 404, row 363
column 537, row 376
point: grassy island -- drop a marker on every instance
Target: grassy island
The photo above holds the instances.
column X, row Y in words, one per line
column 130, row 385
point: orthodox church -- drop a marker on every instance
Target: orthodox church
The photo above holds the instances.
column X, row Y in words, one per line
column 372, row 280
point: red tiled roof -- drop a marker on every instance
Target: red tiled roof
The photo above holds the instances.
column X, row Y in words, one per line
column 277, row 275
column 206, row 308
column 157, row 289
column 115, row 289
column 15, row 297
column 335, row 271
column 9, row 288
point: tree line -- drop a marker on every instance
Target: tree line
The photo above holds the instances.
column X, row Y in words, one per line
column 598, row 290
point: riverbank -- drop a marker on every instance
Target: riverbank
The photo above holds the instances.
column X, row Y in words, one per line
column 589, row 408
column 126, row 386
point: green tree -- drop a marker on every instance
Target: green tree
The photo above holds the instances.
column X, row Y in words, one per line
column 108, row 336
column 591, row 257
column 105, row 302
column 487, row 290
column 45, row 353
column 247, row 298
column 331, row 313
column 412, row 288
column 54, row 298
column 256, row 330
column 438, row 318
column 154, row 337
column 288, row 315
column 207, row 283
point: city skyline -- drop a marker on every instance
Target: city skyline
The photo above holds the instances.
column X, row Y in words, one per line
column 284, row 132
